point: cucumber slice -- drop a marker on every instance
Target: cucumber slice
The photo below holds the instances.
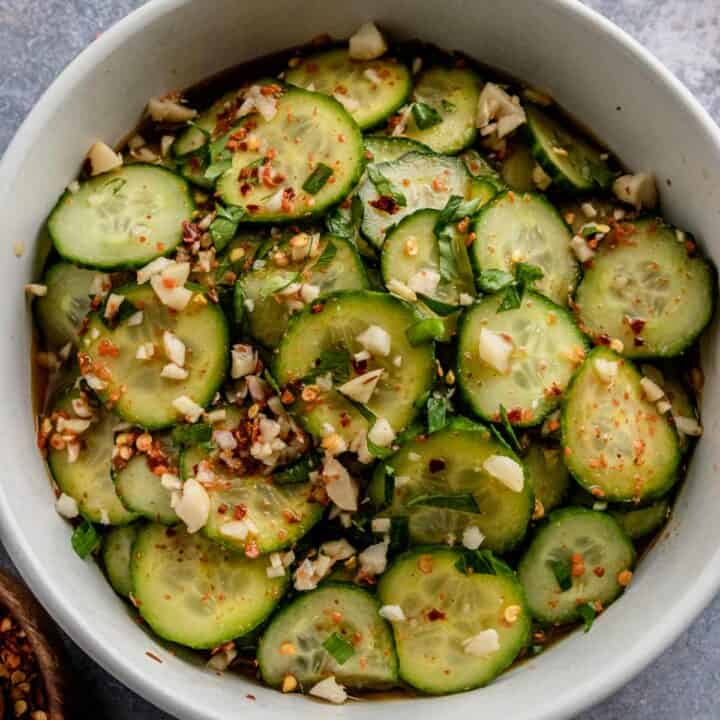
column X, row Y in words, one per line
column 606, row 552
column 453, row 94
column 412, row 251
column 445, row 607
column 205, row 125
column 413, row 176
column 330, row 263
column 547, row 346
column 617, row 445
column 647, row 276
column 382, row 148
column 450, row 463
column 548, row 474
column 570, row 160
column 88, row 480
column 517, row 168
column 193, row 170
column 140, row 491
column 122, row 219
column 479, row 167
column 310, row 620
column 370, row 90
column 526, row 228
column 195, row 593
column 61, row 311
column 343, row 317
column 116, row 551
column 136, row 389
column 309, row 130
column 643, row 521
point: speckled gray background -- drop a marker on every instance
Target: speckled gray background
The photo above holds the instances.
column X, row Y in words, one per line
column 39, row 37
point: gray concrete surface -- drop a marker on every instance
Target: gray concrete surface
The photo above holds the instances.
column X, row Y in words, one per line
column 39, row 37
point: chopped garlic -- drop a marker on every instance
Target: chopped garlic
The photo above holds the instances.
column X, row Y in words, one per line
column 135, row 319
column 188, row 408
column 244, row 361
column 583, row 252
column 367, row 43
column 472, row 538
column 399, row 288
column 506, row 470
column 393, row 613
column 237, row 529
column 484, row 643
column 541, row 179
column 362, row 387
column 589, row 210
column 337, row 550
column 373, row 560
column 145, row 351
column 145, row 273
column 349, row 103
column 328, row 689
column 495, row 349
column 112, row 307
column 309, row 293
column 381, row 433
column 171, row 371
column 653, row 392
column 606, row 370
column 254, row 99
column 380, row 525
column 191, row 505
column 499, row 111
column 375, row 340
column 101, row 158
column 174, row 348
column 170, row 481
column 67, row 506
column 688, row 426
column 165, row 110
column 424, row 281
column 638, row 190
column 169, row 283
column 36, row 289
column 663, row 406
column 340, row 487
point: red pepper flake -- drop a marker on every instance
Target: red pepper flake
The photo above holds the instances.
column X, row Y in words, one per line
column 636, row 324
column 108, row 348
column 153, row 656
column 290, row 517
column 385, row 204
column 317, row 308
column 239, row 512
column 436, row 614
column 602, row 339
column 436, row 465
column 251, row 549
column 252, row 208
column 249, row 697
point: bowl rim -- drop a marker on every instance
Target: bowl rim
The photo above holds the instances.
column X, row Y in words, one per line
column 640, row 655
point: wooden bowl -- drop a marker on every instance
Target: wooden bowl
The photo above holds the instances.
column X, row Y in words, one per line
column 45, row 640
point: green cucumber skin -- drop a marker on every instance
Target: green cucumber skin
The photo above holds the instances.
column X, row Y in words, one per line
column 546, row 527
column 128, row 265
column 672, row 477
column 410, row 145
column 465, row 317
column 121, row 585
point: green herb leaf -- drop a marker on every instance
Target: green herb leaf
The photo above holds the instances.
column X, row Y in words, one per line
column 339, row 648
column 125, row 311
column 345, row 222
column 224, row 226
column 462, row 501
column 425, row 116
column 216, row 169
column 333, row 361
column 326, row 257
column 490, row 281
column 437, row 412
column 276, row 283
column 389, row 488
column 384, row 187
column 377, row 451
column 588, row 614
column 527, row 274
column 189, row 435
column 271, row 381
column 511, row 299
column 447, row 266
column 455, row 209
column 509, row 430
column 561, row 570
column 424, row 331
column 410, row 433
column 298, row 472
column 482, row 561
column 399, row 534
column 115, row 185
column 85, row 539
column 317, row 179
column 265, row 247
column 447, row 106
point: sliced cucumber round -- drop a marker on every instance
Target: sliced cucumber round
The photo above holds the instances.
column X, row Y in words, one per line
column 570, row 160
column 479, row 167
column 382, row 148
column 196, row 593
column 645, row 289
column 617, row 445
column 413, row 255
column 280, row 514
column 605, row 552
column 549, row 477
column 334, row 330
column 445, row 608
column 88, row 479
column 419, row 181
column 122, row 219
column 61, row 311
column 135, row 387
column 444, row 108
column 642, row 522
column 546, row 348
column 312, row 136
column 116, row 551
column 517, row 168
column 140, row 491
column 370, row 90
column 526, row 228
column 205, row 125
column 336, row 615
column 441, row 486
column 270, row 293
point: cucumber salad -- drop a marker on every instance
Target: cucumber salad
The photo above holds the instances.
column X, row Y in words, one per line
column 366, row 371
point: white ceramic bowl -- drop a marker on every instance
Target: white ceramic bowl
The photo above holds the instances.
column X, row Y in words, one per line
column 595, row 71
